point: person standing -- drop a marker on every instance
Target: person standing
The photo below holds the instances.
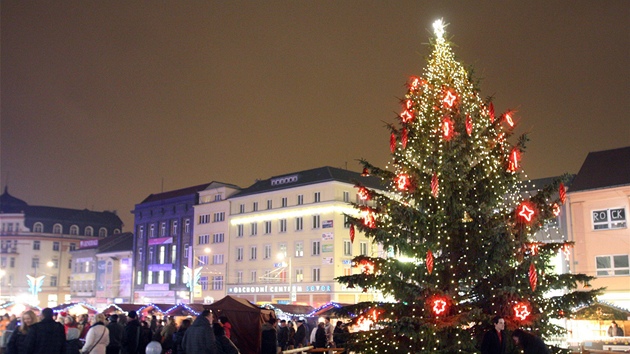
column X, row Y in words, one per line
column 269, row 337
column 46, row 336
column 291, row 340
column 321, row 340
column 84, row 325
column 179, row 336
column 329, row 332
column 283, row 335
column 199, row 338
column 115, row 335
column 227, row 326
column 131, row 334
column 167, row 334
column 614, row 330
column 223, row 342
column 529, row 342
column 494, row 340
column 17, row 341
column 97, row 337
column 300, row 334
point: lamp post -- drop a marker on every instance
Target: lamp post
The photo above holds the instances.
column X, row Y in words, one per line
column 282, row 257
column 193, row 274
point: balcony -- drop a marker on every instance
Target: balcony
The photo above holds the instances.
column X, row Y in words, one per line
column 8, row 250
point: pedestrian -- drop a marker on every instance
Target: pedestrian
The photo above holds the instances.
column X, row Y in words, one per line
column 17, row 341
column 339, row 337
column 97, row 338
column 614, row 330
column 199, row 338
column 179, row 336
column 83, row 325
column 167, row 334
column 529, row 342
column 224, row 343
column 329, row 332
column 73, row 343
column 291, row 339
column 69, row 322
column 320, row 336
column 494, row 339
column 283, row 335
column 227, row 326
column 46, row 336
column 269, row 337
column 146, row 336
column 131, row 334
column 300, row 334
column 115, row 335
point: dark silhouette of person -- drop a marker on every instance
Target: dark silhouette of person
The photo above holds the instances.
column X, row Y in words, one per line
column 529, row 342
column 46, row 336
column 494, row 339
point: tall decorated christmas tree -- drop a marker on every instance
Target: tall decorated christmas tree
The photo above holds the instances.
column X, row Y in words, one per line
column 456, row 231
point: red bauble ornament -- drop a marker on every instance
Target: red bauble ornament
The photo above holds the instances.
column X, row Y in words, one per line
column 513, row 161
column 430, row 261
column 533, row 277
column 491, row 112
column 392, row 142
column 563, row 193
column 435, row 185
column 469, row 125
column 351, row 233
column 448, row 129
column 403, row 138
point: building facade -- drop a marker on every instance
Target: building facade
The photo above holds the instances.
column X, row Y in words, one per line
column 36, row 244
column 163, row 225
column 598, row 203
column 210, row 242
column 289, row 238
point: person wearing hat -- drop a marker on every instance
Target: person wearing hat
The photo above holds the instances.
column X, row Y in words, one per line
column 300, row 334
column 115, row 335
column 131, row 334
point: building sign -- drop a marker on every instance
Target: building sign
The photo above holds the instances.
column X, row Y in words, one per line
column 327, row 248
column 279, row 289
column 88, row 244
column 160, row 241
column 124, row 288
column 327, row 236
column 160, row 267
column 607, row 219
column 156, row 287
column 327, row 260
column 327, row 224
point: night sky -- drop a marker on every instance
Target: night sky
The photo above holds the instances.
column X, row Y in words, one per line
column 106, row 102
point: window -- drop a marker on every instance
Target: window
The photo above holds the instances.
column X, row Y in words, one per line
column 252, row 253
column 316, row 274
column 218, row 217
column 346, row 197
column 612, row 265
column 38, row 227
column 55, row 263
column 12, row 262
column 317, row 197
column 254, row 229
column 55, row 246
column 203, row 239
column 299, row 223
column 53, row 280
column 300, row 199
column 284, row 202
column 267, row 227
column 299, row 249
column 140, row 232
column 217, row 259
column 218, row 198
column 36, row 245
column 70, row 264
column 187, row 227
column 347, row 248
column 609, row 219
column 239, row 254
column 253, row 278
column 241, row 208
column 267, row 254
column 315, row 249
column 363, row 248
column 204, row 219
column 102, row 232
column 139, row 278
column 35, row 263
column 162, row 257
column 255, row 206
column 89, row 231
column 174, row 228
column 299, row 275
column 203, row 281
column 202, row 260
column 186, row 250
column 74, row 230
column 173, row 253
column 173, row 276
column 239, row 277
column 162, row 229
column 218, row 238
column 346, row 222
column 283, row 225
column 240, row 230
column 316, row 220
column 269, row 204
column 57, row 229
column 217, row 282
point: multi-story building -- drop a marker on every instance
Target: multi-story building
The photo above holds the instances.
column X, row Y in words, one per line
column 289, row 238
column 210, row 243
column 164, row 229
column 598, row 203
column 35, row 246
column 101, row 270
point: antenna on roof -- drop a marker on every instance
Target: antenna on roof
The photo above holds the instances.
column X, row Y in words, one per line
column 162, row 191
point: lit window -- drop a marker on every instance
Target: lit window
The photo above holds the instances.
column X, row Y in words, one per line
column 299, row 249
column 607, row 219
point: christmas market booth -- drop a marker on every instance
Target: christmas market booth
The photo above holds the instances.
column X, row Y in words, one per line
column 591, row 328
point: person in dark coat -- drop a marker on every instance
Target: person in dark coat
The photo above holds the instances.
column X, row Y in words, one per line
column 199, row 338
column 17, row 341
column 146, row 336
column 131, row 334
column 283, row 335
column 115, row 335
column 73, row 343
column 269, row 337
column 494, row 340
column 300, row 334
column 529, row 342
column 339, row 336
column 46, row 336
column 179, row 336
column 320, row 336
column 224, row 343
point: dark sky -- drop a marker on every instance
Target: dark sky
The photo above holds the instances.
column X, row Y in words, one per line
column 106, row 102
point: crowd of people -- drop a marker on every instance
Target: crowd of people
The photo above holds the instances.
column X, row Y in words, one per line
column 286, row 336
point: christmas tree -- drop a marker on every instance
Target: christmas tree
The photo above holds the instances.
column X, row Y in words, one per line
column 456, row 231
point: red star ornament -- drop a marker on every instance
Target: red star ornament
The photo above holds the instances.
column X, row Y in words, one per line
column 526, row 212
column 439, row 306
column 449, row 98
column 521, row 311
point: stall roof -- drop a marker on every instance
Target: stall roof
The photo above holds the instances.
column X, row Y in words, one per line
column 602, row 311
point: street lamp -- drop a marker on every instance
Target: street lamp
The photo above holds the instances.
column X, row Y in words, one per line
column 193, row 274
column 282, row 256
